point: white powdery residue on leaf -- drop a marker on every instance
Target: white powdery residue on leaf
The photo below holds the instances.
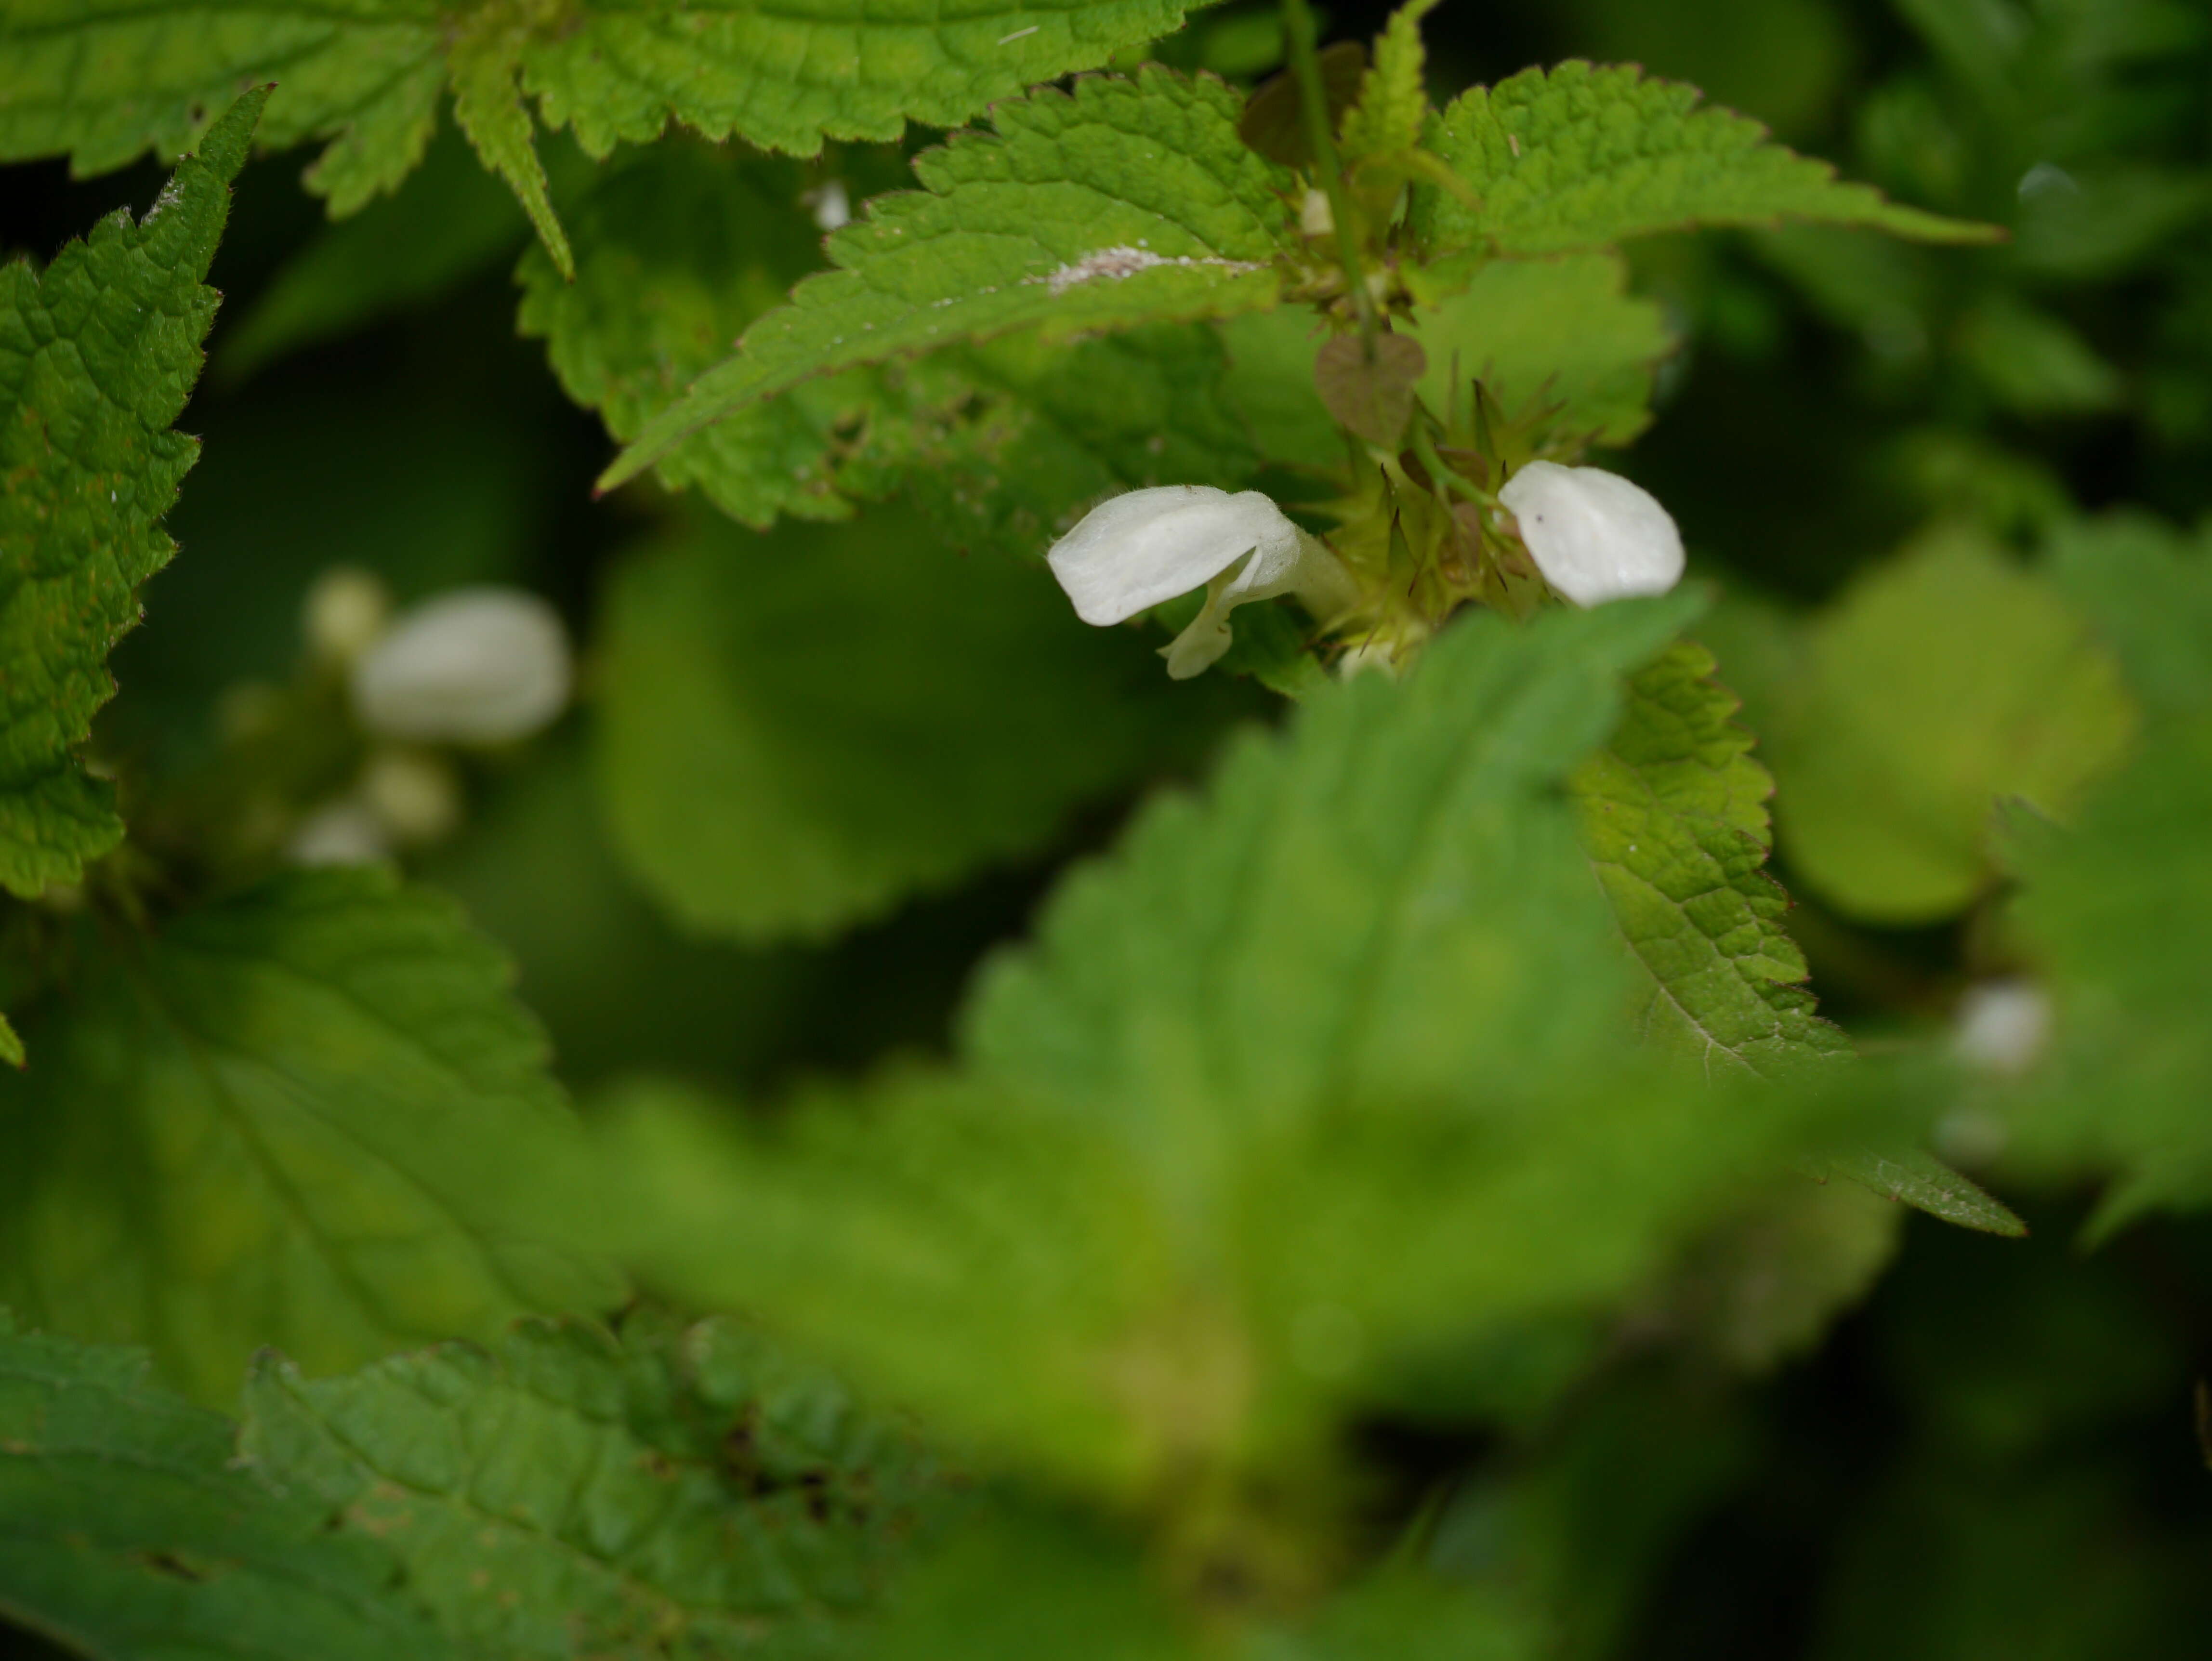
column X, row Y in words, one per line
column 1122, row 261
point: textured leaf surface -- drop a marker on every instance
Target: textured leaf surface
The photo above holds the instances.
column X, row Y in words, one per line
column 1674, row 816
column 1012, row 440
column 1004, row 442
column 1935, row 685
column 97, row 355
column 104, row 82
column 1559, row 344
column 1127, row 202
column 1307, row 933
column 1293, row 1087
column 274, row 1123
column 799, row 731
column 1581, row 157
column 678, row 249
column 127, row 1530
column 561, row 1495
column 1394, row 98
column 1926, row 1183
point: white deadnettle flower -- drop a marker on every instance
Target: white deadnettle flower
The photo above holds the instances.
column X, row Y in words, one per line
column 478, row 665
column 1594, row 535
column 1133, row 551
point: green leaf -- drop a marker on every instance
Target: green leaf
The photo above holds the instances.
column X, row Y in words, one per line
column 484, row 50
column 562, row 1494
column 1768, row 1287
column 2119, row 912
column 1127, row 202
column 1271, row 950
column 1023, row 1580
column 368, row 75
column 1290, row 1092
column 799, row 732
column 1394, row 99
column 1926, row 1183
column 1559, row 343
column 277, row 1121
column 97, row 357
column 678, row 249
column 103, row 85
column 1269, row 383
column 1674, row 816
column 1010, row 441
column 935, row 1231
column 127, row 1530
column 1937, row 683
column 2146, row 591
column 2034, row 363
column 1004, row 442
column 1581, row 157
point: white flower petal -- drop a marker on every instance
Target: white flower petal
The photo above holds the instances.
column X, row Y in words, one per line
column 1133, row 551
column 1594, row 535
column 479, row 665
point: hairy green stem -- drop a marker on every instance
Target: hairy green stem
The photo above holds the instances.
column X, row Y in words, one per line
column 1321, row 136
column 1424, row 447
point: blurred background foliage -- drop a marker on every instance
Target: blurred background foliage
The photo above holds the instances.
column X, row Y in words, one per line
column 1990, row 1451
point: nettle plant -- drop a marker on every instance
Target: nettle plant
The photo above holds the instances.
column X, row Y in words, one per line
column 1382, row 1077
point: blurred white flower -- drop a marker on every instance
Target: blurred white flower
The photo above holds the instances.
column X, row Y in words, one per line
column 344, row 831
column 2002, row 1026
column 1133, row 551
column 832, row 206
column 1594, row 535
column 479, row 665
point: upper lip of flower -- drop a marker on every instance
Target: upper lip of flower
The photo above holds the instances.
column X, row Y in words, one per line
column 1133, row 550
column 1595, row 535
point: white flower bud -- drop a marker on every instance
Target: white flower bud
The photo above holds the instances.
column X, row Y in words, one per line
column 1133, row 551
column 345, row 609
column 479, row 665
column 414, row 795
column 340, row 832
column 1594, row 535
